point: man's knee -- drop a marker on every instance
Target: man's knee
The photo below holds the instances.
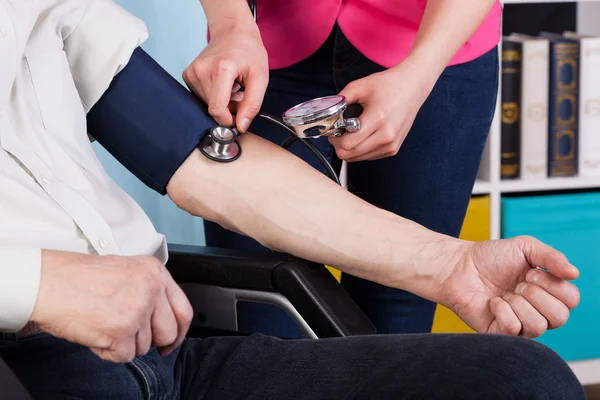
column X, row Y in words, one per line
column 532, row 370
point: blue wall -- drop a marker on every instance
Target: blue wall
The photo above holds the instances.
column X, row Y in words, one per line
column 571, row 224
column 177, row 35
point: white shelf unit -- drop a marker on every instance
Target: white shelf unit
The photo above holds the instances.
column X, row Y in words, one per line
column 489, row 182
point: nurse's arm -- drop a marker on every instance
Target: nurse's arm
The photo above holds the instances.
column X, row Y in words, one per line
column 444, row 29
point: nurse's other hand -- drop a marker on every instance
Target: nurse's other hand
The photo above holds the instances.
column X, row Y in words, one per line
column 391, row 100
column 235, row 54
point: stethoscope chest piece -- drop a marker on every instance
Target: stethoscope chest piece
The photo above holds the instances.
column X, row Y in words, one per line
column 220, row 144
column 320, row 117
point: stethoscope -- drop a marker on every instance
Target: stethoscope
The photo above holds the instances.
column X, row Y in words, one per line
column 313, row 119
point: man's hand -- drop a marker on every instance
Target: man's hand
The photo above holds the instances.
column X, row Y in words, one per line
column 516, row 286
column 117, row 306
column 391, row 100
column 234, row 55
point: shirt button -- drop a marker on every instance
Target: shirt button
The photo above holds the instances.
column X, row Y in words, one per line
column 102, row 243
column 1, row 112
column 2, row 33
column 46, row 179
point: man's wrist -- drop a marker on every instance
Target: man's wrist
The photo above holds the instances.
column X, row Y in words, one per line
column 436, row 262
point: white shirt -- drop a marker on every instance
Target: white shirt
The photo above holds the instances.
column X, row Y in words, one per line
column 57, row 59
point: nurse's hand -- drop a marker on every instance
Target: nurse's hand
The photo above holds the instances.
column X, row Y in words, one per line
column 234, row 54
column 391, row 100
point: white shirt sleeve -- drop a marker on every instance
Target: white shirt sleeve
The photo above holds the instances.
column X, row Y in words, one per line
column 20, row 271
column 100, row 46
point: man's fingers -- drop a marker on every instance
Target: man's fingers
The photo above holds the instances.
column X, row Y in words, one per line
column 143, row 339
column 182, row 309
column 554, row 310
column 564, row 291
column 541, row 255
column 254, row 93
column 220, row 94
column 163, row 322
column 122, row 351
column 505, row 320
column 532, row 322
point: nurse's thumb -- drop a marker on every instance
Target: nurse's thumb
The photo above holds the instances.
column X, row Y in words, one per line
column 352, row 92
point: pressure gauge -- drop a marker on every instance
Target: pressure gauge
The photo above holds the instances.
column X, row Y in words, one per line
column 320, row 117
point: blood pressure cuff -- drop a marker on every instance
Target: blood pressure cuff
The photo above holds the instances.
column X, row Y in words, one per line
column 148, row 121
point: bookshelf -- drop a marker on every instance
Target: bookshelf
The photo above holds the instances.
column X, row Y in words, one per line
column 489, row 182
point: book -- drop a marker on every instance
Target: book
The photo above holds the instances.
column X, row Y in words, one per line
column 563, row 147
column 589, row 103
column 535, row 66
column 511, row 108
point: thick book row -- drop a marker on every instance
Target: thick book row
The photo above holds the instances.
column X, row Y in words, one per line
column 550, row 114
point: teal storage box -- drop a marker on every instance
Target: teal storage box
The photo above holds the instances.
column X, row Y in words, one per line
column 571, row 224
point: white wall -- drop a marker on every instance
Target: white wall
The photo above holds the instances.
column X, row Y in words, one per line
column 177, row 34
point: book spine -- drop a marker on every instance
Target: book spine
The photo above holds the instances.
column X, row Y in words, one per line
column 534, row 103
column 563, row 111
column 511, row 110
column 589, row 109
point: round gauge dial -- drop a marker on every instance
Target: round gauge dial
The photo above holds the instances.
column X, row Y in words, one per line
column 315, row 109
column 314, row 106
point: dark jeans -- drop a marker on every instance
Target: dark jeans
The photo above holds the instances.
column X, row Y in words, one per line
column 417, row 366
column 429, row 181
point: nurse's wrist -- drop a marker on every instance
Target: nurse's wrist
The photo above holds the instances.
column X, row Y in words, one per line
column 417, row 73
column 234, row 26
column 229, row 16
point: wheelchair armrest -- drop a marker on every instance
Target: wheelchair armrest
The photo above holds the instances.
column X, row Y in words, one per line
column 310, row 288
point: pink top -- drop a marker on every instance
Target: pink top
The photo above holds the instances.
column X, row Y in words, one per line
column 383, row 30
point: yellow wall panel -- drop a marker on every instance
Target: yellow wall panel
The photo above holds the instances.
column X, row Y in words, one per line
column 475, row 228
column 337, row 273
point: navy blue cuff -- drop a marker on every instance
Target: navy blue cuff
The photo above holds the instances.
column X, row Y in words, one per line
column 148, row 121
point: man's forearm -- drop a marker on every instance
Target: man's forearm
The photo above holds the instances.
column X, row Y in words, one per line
column 279, row 200
column 446, row 26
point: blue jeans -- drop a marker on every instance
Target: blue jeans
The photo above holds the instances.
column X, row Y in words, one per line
column 419, row 366
column 429, row 181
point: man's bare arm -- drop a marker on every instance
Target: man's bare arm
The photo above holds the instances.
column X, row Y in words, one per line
column 279, row 200
column 285, row 204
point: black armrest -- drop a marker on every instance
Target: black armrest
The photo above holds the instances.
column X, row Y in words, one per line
column 310, row 287
column 10, row 384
